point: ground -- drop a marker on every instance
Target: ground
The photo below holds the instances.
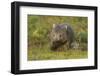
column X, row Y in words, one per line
column 44, row 53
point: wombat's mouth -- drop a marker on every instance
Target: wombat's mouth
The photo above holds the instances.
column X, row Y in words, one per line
column 56, row 45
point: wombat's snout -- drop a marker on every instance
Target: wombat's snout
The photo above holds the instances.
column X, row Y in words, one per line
column 56, row 41
column 55, row 45
column 56, row 37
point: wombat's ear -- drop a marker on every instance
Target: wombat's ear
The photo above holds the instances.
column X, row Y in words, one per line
column 66, row 27
column 54, row 25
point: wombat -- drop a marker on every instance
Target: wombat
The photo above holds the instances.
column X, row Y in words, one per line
column 61, row 34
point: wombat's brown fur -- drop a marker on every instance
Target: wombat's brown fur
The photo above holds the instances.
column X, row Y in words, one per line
column 61, row 34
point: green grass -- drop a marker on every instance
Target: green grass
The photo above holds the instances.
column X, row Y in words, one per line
column 45, row 53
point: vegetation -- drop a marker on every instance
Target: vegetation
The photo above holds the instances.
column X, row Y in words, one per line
column 39, row 28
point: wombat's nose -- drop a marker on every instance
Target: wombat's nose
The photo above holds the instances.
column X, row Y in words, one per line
column 57, row 39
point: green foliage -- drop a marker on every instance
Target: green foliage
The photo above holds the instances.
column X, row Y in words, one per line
column 82, row 37
column 39, row 28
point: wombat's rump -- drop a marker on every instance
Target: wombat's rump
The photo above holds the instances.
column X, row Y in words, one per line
column 61, row 34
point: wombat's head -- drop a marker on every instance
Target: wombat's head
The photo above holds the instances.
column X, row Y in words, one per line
column 58, row 33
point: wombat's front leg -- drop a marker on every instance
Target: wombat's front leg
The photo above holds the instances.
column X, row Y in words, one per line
column 53, row 46
column 68, row 45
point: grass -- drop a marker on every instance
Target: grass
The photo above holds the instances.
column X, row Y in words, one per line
column 44, row 53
